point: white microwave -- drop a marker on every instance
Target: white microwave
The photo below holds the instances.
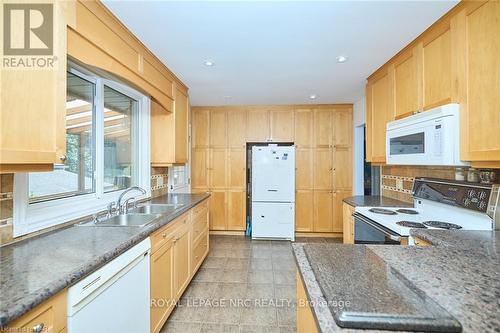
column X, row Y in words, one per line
column 428, row 138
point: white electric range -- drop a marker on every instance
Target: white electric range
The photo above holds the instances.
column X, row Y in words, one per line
column 438, row 204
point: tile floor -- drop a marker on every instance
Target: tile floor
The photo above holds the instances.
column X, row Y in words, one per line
column 243, row 286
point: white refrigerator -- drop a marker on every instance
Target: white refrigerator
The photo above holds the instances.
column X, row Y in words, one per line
column 273, row 192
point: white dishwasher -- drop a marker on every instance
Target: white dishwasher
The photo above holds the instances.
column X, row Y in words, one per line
column 114, row 298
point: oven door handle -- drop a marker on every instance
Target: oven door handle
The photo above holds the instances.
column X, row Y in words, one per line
column 393, row 236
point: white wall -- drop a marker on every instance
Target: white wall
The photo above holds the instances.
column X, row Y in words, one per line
column 359, row 120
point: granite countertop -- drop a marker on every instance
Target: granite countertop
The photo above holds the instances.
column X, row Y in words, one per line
column 375, row 201
column 459, row 276
column 35, row 269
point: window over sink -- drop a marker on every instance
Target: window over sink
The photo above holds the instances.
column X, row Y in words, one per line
column 107, row 151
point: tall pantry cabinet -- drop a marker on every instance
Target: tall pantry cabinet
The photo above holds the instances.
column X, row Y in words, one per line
column 322, row 135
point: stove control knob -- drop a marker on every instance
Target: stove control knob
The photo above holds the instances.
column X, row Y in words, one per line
column 471, row 193
column 466, row 202
column 482, row 205
column 482, row 195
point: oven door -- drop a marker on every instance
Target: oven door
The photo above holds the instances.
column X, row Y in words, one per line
column 367, row 231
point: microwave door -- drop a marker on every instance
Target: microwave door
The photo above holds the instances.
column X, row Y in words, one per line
column 410, row 146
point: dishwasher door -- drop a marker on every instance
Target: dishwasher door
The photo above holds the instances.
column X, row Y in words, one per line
column 115, row 298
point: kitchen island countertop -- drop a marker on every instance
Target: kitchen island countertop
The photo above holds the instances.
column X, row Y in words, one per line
column 460, row 276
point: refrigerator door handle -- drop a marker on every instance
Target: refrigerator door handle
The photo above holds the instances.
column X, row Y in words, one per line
column 272, row 190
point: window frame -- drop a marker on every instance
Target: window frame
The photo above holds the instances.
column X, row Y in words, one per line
column 31, row 217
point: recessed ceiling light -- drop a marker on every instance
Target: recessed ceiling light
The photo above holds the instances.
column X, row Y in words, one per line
column 341, row 59
column 209, row 63
column 312, row 96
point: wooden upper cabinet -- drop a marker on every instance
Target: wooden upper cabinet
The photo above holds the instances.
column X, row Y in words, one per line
column 304, row 128
column 218, row 134
column 282, row 125
column 379, row 111
column 237, row 172
column 481, row 116
column 33, row 108
column 236, row 210
column 199, row 168
column 258, row 129
column 406, row 84
column 304, row 212
column 342, row 128
column 200, row 127
column 323, row 211
column 169, row 132
column 236, row 128
column 323, row 130
column 437, row 68
column 303, row 168
column 323, row 169
column 217, row 167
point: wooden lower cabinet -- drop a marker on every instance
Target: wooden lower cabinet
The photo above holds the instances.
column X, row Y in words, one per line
column 177, row 253
column 305, row 317
column 304, row 203
column 218, row 210
column 236, row 210
column 162, row 285
column 323, row 211
column 421, row 242
column 50, row 316
column 348, row 223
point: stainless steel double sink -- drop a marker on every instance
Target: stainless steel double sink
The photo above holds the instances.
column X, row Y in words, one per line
column 139, row 216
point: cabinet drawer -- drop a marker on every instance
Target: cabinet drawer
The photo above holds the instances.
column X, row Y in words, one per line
column 199, row 209
column 199, row 225
column 50, row 316
column 166, row 233
column 200, row 249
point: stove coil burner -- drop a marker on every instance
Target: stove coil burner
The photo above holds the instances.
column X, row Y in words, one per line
column 442, row 225
column 382, row 211
column 407, row 211
column 410, row 224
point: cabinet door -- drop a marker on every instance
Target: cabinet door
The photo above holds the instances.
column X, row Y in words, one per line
column 181, row 126
column 342, row 128
column 218, row 210
column 237, row 169
column 199, row 168
column 236, row 128
column 405, row 84
column 182, row 271
column 437, row 64
column 348, row 224
column 282, row 125
column 337, row 212
column 342, row 168
column 323, row 214
column 217, row 168
column 304, row 169
column 218, row 137
column 379, row 110
column 258, row 126
column 162, row 285
column 482, row 120
column 323, row 131
column 236, row 210
column 304, row 128
column 304, row 212
column 323, row 169
column 200, row 127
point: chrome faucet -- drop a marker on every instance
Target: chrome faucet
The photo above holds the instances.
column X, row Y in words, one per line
column 120, row 206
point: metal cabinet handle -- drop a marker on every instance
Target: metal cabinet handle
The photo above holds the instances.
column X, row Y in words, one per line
column 63, row 158
column 38, row 328
column 164, row 235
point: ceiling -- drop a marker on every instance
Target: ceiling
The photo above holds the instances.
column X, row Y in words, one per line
column 276, row 52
